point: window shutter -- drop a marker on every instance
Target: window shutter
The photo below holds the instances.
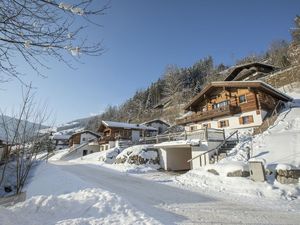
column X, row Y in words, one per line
column 208, row 125
column 251, row 119
column 219, row 124
column 241, row 120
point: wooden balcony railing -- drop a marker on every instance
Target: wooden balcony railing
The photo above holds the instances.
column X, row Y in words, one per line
column 200, row 116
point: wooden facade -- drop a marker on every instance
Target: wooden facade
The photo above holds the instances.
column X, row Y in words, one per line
column 221, row 99
column 75, row 139
column 122, row 131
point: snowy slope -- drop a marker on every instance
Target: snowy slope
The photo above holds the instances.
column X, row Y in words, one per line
column 281, row 142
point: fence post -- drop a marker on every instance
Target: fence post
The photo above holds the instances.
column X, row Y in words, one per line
column 185, row 135
column 224, row 134
column 156, row 139
column 206, row 134
column 237, row 136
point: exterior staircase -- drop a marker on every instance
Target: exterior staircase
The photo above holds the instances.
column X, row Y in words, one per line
column 218, row 153
column 223, row 150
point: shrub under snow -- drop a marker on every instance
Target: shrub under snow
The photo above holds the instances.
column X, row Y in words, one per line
column 139, row 155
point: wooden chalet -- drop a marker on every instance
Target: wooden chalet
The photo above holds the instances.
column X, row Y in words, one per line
column 250, row 71
column 83, row 137
column 231, row 104
column 113, row 131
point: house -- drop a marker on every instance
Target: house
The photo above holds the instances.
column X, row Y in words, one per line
column 82, row 137
column 159, row 124
column 60, row 141
column 232, row 105
column 82, row 143
column 114, row 131
column 250, row 71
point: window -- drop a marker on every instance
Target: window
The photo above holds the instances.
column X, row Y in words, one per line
column 220, row 104
column 193, row 128
column 206, row 125
column 83, row 139
column 246, row 119
column 242, row 99
column 223, row 123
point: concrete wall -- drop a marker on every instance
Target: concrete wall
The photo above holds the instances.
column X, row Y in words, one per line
column 233, row 121
column 175, row 158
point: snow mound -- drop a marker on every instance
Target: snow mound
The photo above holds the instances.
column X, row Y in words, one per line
column 110, row 155
column 88, row 206
column 225, row 167
column 284, row 167
column 238, row 187
column 138, row 154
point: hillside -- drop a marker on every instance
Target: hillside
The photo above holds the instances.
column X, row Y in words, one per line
column 11, row 124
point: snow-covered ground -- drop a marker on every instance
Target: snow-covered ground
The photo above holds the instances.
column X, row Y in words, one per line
column 108, row 158
column 281, row 142
column 57, row 197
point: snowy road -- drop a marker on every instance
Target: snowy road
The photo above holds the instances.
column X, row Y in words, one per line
column 173, row 205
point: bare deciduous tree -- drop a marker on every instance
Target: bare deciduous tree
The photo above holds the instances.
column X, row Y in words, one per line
column 23, row 141
column 44, row 28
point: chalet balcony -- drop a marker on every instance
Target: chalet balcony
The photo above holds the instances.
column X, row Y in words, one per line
column 201, row 116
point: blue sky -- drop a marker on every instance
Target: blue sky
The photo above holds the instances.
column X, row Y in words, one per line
column 142, row 37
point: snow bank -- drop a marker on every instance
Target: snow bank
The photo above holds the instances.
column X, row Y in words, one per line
column 138, row 154
column 109, row 156
column 284, row 167
column 225, row 167
column 59, row 154
column 180, row 142
column 57, row 197
column 237, row 187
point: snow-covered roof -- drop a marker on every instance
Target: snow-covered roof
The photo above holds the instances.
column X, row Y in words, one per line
column 87, row 131
column 61, row 137
column 156, row 120
column 127, row 125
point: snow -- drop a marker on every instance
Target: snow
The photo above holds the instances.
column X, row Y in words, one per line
column 107, row 156
column 58, row 197
column 284, row 167
column 128, row 125
column 180, row 142
column 281, row 142
column 140, row 150
column 237, row 187
column 59, row 154
column 224, row 167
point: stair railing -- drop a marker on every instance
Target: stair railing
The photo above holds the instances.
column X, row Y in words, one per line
column 270, row 120
column 214, row 149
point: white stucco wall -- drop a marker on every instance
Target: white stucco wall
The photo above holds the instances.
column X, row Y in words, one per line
column 84, row 137
column 233, row 121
